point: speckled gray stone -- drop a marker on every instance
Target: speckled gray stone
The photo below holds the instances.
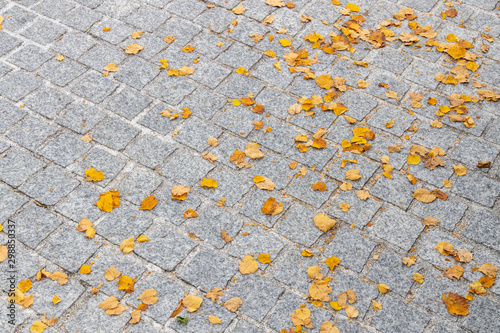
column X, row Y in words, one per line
column 34, row 224
column 101, row 160
column 408, row 317
column 138, row 184
column 478, row 188
column 65, row 149
column 360, row 212
column 186, row 168
column 17, row 166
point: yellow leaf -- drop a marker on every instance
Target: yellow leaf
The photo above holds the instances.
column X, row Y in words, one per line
column 376, row 305
column 424, row 195
column 413, row 159
column 324, row 81
column 264, row 258
column 456, row 304
column 208, row 182
column 285, row 42
column 233, row 304
column 173, row 72
column 238, row 11
column 352, row 7
column 236, row 102
column 319, row 186
column 133, row 49
column 419, row 278
column 320, row 290
column 111, row 273
column 60, row 277
column 314, row 272
column 85, row 269
column 383, row 288
column 111, row 67
column 460, row 169
column 56, row 300
column 108, row 201
column 335, row 305
column 180, row 192
column 126, row 283
column 344, row 206
column 332, row 262
column 192, row 302
column 186, row 70
column 38, row 327
column 127, row 245
column 148, row 203
column 185, row 113
column 148, row 297
column 137, row 34
column 445, row 248
column 454, row 272
column 188, row 49
column 248, row 265
column 141, row 239
column 135, row 317
column 269, row 53
column 307, row 253
column 323, row 222
column 190, row 213
column 352, row 174
column 169, row 39
column 242, row 71
column 60, row 57
column 94, row 175
column 24, row 285
column 214, row 320
column 272, row 207
column 109, row 303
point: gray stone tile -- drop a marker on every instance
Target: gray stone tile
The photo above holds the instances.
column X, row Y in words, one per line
column 359, row 105
column 298, row 225
column 8, row 42
column 255, row 240
column 397, row 190
column 65, row 149
column 73, row 44
column 166, row 248
column 94, row 87
column 137, row 73
column 394, row 83
column 208, row 270
column 484, row 228
column 31, row 132
column 81, row 117
column 288, row 303
column 17, row 166
column 385, row 113
column 115, row 134
column 478, row 188
column 17, row 85
column 195, row 133
column 229, row 185
column 206, row 42
column 185, row 167
column 152, row 45
column 81, row 18
column 237, row 86
column 54, row 9
column 434, row 177
column 216, row 19
column 182, row 30
column 149, row 150
column 239, row 56
column 204, row 103
column 30, row 57
column 360, row 213
column 351, row 248
column 276, row 102
column 276, row 168
column 245, row 27
column 79, row 204
column 211, row 222
column 301, row 188
column 10, row 202
column 253, row 205
column 44, row 31
column 258, row 294
column 101, row 55
column 470, row 151
column 146, row 18
column 16, row 18
column 365, row 166
column 209, row 73
column 245, row 326
column 397, row 227
column 118, row 32
column 173, row 210
column 49, row 186
column 429, row 136
column 186, row 9
column 158, row 123
column 10, row 114
column 391, row 60
column 123, row 223
column 34, row 224
column 48, row 102
column 483, row 19
column 70, row 248
column 62, row 72
column 449, row 211
column 282, row 136
column 138, row 184
column 422, row 72
column 477, row 320
column 409, row 318
column 170, row 89
column 128, row 103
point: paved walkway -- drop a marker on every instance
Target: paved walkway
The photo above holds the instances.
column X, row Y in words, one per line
column 348, row 129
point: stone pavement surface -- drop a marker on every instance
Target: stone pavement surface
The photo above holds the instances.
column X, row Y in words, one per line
column 367, row 96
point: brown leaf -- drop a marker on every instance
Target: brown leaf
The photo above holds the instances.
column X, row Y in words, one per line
column 488, row 270
column 272, row 207
column 456, row 304
column 424, row 195
column 225, row 236
column 233, row 304
column 431, row 221
column 214, row 294
column 463, row 256
column 319, row 186
column 148, row 203
column 454, row 272
column 248, row 265
column 323, row 222
column 252, row 151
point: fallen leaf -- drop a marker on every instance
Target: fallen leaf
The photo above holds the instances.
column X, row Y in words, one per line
column 212, row 142
column 60, row 277
column 135, row 317
column 454, row 272
column 111, row 67
column 190, row 213
column 376, row 305
column 126, row 283
column 133, row 49
column 137, row 34
column 85, row 269
column 445, row 248
column 302, row 317
column 419, row 278
column 248, row 265
column 431, row 221
column 477, row 288
column 314, row 272
column 208, row 182
column 456, row 304
column 320, row 290
column 169, row 39
column 127, row 245
column 272, row 207
column 351, row 312
column 141, row 239
column 225, row 236
column 148, row 203
column 56, row 300
column 363, row 195
column 186, row 70
column 38, row 327
column 214, row 294
column 332, row 262
column 383, row 288
column 111, row 273
column 238, row 10
column 352, row 174
column 264, row 258
column 192, row 302
column 409, row 261
column 263, row 183
column 488, row 270
column 319, row 186
column 459, row 169
column 24, row 285
column 214, row 320
column 148, row 297
column 233, row 304
column 463, row 256
column 180, row 192
column 323, row 222
column 344, row 206
column 424, row 195
column 252, row 151
column 108, row 201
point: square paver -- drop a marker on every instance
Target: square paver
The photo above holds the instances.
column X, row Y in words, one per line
column 101, row 55
column 10, row 202
column 449, row 211
column 237, row 86
column 397, row 190
column 16, row 18
column 102, row 160
column 30, row 57
column 484, row 228
column 17, row 166
column 195, row 133
column 65, row 149
column 81, row 117
column 10, row 114
column 123, row 223
column 146, row 18
column 62, row 72
column 185, row 167
column 17, row 85
column 115, row 134
column 138, row 184
column 94, row 87
column 54, row 9
column 34, row 224
column 301, row 188
column 298, row 225
column 81, row 18
column 229, row 185
column 395, row 84
column 31, row 132
column 276, row 168
column 360, row 212
column 48, row 102
column 170, row 89
column 351, row 248
column 172, row 210
column 73, row 44
column 282, row 136
column 128, row 103
column 149, row 150
column 208, row 270
column 118, row 32
column 253, row 205
column 397, row 227
column 79, row 204
column 365, row 166
column 137, row 73
column 204, row 103
column 409, row 318
column 216, row 19
column 478, row 188
column 385, row 113
column 44, row 31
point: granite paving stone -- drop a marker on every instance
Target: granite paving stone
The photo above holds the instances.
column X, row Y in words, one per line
column 61, row 113
column 352, row 248
column 406, row 228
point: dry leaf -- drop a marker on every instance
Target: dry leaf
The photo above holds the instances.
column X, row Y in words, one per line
column 302, row 317
column 126, row 283
column 148, row 203
column 352, row 174
column 264, row 258
column 314, row 272
column 488, row 270
column 56, row 300
column 108, row 201
column 85, row 269
column 233, row 304
column 225, row 236
column 148, row 297
column 263, row 183
column 477, row 288
column 363, row 195
column 192, row 302
column 320, row 290
column 111, row 67
column 135, row 317
column 351, row 312
column 252, row 151
column 424, row 195
column 463, row 256
column 459, row 169
column 332, row 262
column 127, row 245
column 319, row 186
column 454, row 272
column 456, row 304
column 272, row 207
column 190, row 213
column 133, row 49
column 445, row 248
column 38, row 327
column 137, row 34
column 214, row 320
column 180, row 192
column 214, row 294
column 212, row 142
column 111, row 273
column 419, row 278
column 323, row 222
column 248, row 265
column 431, row 221
column 60, row 277
column 383, row 288
column 208, row 182
column 24, row 285
column 344, row 206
